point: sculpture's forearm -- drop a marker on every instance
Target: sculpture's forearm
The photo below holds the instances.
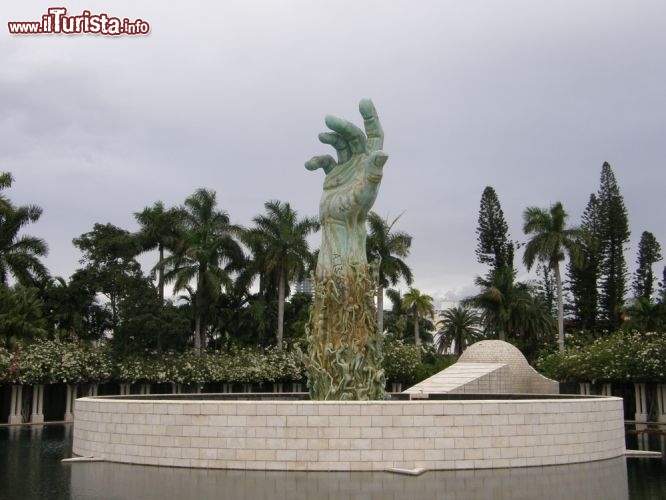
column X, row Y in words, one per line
column 343, row 244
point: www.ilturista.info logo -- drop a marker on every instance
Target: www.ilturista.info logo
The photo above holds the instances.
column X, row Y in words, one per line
column 57, row 22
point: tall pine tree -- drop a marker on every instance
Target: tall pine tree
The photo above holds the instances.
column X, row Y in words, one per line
column 494, row 247
column 583, row 278
column 546, row 287
column 649, row 252
column 614, row 234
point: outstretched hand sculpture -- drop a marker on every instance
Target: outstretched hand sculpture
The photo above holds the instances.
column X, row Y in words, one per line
column 350, row 188
column 344, row 345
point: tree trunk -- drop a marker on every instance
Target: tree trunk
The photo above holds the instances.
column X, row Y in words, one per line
column 560, row 308
column 201, row 307
column 197, row 332
column 380, row 308
column 280, row 325
column 160, row 291
column 160, row 275
column 417, row 340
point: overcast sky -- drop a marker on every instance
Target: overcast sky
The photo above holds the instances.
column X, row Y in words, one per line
column 528, row 97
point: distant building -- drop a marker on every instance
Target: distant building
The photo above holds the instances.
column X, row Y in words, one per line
column 304, row 286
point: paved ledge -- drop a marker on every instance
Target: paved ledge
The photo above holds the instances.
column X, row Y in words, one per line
column 81, row 459
column 407, row 472
column 642, row 454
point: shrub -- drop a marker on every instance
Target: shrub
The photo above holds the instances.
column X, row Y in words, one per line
column 401, row 361
column 619, row 357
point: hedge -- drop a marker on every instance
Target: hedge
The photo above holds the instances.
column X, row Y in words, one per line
column 619, row 357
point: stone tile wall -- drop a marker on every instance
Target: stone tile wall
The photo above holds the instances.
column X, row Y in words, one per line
column 344, row 436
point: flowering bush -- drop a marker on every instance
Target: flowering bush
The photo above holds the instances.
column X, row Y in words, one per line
column 191, row 367
column 401, row 361
column 6, row 362
column 55, row 361
column 619, row 357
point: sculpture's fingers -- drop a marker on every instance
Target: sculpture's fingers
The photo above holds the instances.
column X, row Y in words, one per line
column 373, row 128
column 350, row 132
column 339, row 143
column 324, row 161
column 366, row 192
column 375, row 166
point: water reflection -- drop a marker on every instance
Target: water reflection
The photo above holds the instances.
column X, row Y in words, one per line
column 30, row 465
column 647, row 476
column 607, row 479
column 30, row 469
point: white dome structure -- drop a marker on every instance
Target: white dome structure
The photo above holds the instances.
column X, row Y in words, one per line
column 488, row 367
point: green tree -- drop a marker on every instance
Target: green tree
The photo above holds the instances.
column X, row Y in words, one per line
column 159, row 229
column 584, row 276
column 512, row 311
column 21, row 314
column 287, row 252
column 460, row 327
column 645, row 316
column 534, row 326
column 70, row 308
column 259, row 317
column 547, row 288
column 494, row 247
column 109, row 264
column 501, row 300
column 396, row 320
column 386, row 249
column 551, row 241
column 649, row 252
column 147, row 323
column 6, row 181
column 207, row 253
column 19, row 254
column 297, row 314
column 421, row 306
column 614, row 234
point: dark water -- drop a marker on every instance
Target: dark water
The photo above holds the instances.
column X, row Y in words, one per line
column 30, row 468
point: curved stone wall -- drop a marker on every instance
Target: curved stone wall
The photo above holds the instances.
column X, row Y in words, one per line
column 344, row 436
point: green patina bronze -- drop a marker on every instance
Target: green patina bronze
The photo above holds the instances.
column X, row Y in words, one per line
column 344, row 345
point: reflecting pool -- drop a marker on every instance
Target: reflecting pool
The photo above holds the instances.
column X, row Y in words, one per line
column 30, row 468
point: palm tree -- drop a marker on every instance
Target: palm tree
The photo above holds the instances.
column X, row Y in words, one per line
column 286, row 248
column 535, row 326
column 421, row 306
column 20, row 255
column 396, row 321
column 646, row 316
column 6, row 180
column 550, row 242
column 460, row 327
column 206, row 253
column 501, row 300
column 385, row 249
column 159, row 229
